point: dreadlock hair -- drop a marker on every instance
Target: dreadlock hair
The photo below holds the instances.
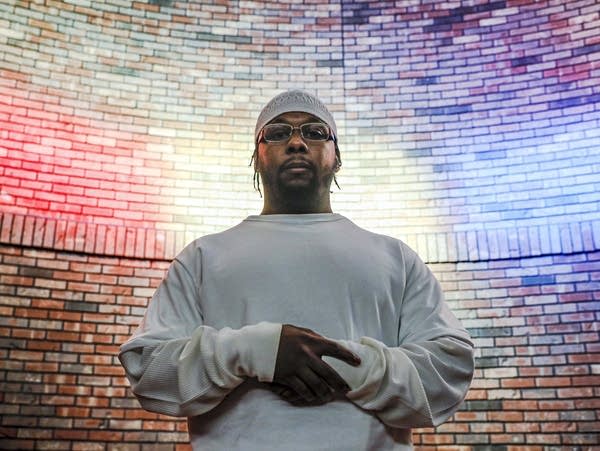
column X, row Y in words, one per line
column 256, row 177
column 338, row 162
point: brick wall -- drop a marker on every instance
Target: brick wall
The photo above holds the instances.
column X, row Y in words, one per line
column 468, row 129
column 63, row 315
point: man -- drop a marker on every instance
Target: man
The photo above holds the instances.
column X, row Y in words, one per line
column 296, row 329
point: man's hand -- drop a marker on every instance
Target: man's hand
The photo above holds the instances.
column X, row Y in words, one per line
column 301, row 377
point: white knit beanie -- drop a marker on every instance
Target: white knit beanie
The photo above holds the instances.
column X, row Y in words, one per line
column 294, row 101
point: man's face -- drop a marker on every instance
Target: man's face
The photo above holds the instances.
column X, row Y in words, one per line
column 296, row 167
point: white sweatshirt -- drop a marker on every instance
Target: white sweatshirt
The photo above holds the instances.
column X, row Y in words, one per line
column 207, row 345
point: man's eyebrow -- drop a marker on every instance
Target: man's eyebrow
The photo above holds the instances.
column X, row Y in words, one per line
column 308, row 120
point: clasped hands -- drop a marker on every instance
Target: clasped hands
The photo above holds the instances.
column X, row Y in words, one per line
column 301, row 377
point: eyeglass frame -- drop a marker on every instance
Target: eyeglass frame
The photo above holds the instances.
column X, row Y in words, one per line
column 331, row 136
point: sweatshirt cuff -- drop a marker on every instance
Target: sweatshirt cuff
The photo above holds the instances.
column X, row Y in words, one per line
column 356, row 376
column 252, row 350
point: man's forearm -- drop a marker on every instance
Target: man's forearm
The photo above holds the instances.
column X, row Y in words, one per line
column 414, row 385
column 190, row 376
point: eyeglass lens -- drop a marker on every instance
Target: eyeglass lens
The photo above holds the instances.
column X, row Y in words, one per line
column 313, row 131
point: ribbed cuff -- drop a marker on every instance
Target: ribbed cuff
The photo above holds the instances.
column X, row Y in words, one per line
column 252, row 350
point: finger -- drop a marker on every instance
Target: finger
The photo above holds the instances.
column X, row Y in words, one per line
column 283, row 391
column 315, row 383
column 301, row 389
column 334, row 349
column 330, row 376
column 300, row 402
column 291, row 396
column 278, row 388
column 287, row 394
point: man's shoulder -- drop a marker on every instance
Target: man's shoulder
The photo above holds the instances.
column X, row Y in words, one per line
column 197, row 244
column 378, row 241
column 377, row 236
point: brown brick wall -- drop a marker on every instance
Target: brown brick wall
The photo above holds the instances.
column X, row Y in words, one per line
column 63, row 316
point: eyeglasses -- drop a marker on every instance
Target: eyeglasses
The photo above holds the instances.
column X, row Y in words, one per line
column 312, row 131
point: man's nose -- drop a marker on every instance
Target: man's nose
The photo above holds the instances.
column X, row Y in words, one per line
column 296, row 142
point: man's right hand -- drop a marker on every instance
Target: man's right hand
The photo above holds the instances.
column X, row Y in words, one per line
column 299, row 366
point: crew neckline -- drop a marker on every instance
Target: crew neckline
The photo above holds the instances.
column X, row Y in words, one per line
column 297, row 218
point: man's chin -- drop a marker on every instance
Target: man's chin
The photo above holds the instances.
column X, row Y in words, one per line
column 297, row 183
column 299, row 189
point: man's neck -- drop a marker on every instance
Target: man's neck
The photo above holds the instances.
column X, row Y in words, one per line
column 269, row 210
column 272, row 207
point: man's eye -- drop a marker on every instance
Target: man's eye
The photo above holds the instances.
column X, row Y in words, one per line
column 277, row 133
column 315, row 132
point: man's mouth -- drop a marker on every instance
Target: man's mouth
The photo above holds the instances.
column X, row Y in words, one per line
column 297, row 164
column 297, row 169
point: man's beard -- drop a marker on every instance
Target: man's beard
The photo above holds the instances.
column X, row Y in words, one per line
column 300, row 196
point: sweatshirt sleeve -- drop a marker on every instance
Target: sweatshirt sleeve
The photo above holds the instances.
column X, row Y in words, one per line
column 421, row 381
column 179, row 366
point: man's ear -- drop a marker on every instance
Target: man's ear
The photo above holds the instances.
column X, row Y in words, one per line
column 338, row 164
